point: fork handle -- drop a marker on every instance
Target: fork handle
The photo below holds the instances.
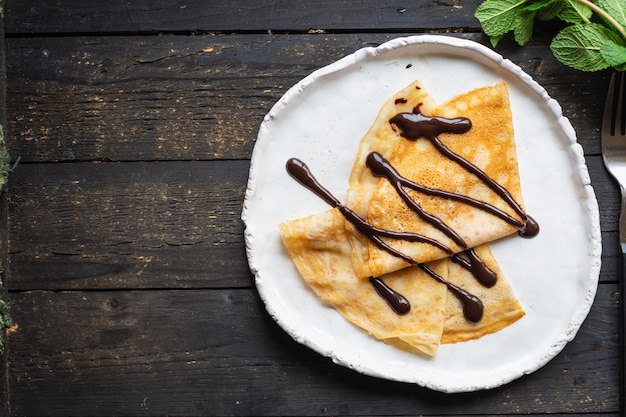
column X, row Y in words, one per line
column 622, row 330
column 622, row 306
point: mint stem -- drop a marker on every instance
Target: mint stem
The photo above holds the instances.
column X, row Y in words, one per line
column 605, row 15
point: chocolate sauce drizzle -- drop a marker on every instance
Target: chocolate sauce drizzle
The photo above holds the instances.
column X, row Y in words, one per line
column 381, row 167
column 413, row 126
column 300, row 171
column 416, row 125
column 472, row 306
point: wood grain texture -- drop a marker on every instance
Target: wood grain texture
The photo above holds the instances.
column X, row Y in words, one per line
column 4, row 372
column 218, row 353
column 75, row 16
column 127, row 225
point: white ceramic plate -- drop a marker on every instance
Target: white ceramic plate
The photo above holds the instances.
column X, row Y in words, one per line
column 321, row 121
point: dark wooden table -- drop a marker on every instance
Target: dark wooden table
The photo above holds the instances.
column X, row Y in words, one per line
column 122, row 246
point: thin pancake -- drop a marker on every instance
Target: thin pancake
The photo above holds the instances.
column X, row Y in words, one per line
column 320, row 248
column 501, row 307
column 334, row 259
column 489, row 144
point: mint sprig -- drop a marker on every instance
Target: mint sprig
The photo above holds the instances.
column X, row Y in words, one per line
column 594, row 38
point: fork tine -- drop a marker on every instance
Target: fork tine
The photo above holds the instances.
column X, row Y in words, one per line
column 609, row 106
column 619, row 110
column 607, row 122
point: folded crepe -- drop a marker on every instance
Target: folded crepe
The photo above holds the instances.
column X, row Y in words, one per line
column 320, row 248
column 489, row 145
column 337, row 261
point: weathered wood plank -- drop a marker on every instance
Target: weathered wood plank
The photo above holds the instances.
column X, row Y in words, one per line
column 127, row 225
column 236, row 16
column 149, row 225
column 200, row 97
column 96, row 98
column 4, row 388
column 216, row 352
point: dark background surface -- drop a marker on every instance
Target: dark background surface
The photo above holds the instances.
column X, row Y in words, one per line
column 122, row 244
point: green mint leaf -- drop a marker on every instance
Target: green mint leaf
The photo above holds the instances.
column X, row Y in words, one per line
column 495, row 40
column 578, row 46
column 616, row 8
column 538, row 5
column 615, row 55
column 498, row 17
column 550, row 10
column 574, row 12
column 523, row 29
column 535, row 6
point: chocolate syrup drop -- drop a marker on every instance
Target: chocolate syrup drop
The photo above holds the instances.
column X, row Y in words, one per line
column 531, row 228
column 477, row 267
column 472, row 306
column 396, row 301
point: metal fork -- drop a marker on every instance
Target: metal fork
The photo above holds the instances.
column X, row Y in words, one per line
column 614, row 155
